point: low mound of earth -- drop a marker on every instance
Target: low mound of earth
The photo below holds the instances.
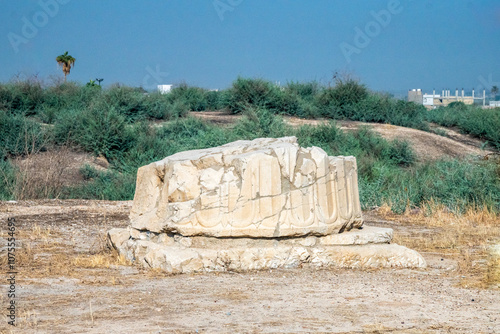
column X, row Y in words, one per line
column 427, row 146
column 69, row 282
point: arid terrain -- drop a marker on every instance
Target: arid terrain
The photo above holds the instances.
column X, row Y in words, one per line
column 70, row 281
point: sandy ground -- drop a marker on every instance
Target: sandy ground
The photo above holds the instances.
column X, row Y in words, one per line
column 58, row 292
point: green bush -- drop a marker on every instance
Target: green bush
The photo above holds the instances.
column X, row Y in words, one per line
column 159, row 106
column 19, row 135
column 155, row 143
column 21, row 97
column 260, row 122
column 126, row 101
column 474, row 120
column 305, row 90
column 295, row 99
column 217, row 100
column 245, row 93
column 69, row 95
column 375, row 108
column 194, row 98
column 346, row 92
column 100, row 131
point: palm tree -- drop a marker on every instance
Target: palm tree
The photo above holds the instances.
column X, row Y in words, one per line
column 66, row 62
column 494, row 92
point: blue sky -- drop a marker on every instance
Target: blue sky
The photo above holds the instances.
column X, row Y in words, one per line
column 390, row 45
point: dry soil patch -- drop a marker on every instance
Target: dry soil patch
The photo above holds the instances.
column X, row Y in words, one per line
column 56, row 294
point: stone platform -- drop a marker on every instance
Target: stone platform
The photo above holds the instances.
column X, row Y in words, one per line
column 369, row 247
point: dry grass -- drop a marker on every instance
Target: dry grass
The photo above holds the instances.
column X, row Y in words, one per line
column 493, row 268
column 43, row 253
column 40, row 174
column 466, row 237
column 103, row 260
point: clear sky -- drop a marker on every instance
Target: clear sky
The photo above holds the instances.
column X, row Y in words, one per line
column 390, row 45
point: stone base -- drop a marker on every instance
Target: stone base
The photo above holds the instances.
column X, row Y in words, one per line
column 359, row 248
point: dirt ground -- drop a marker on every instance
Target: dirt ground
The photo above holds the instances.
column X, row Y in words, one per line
column 427, row 146
column 69, row 282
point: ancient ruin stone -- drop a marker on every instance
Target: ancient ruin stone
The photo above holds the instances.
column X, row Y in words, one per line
column 262, row 188
column 266, row 203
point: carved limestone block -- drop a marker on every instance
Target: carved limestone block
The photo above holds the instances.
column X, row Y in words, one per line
column 263, row 188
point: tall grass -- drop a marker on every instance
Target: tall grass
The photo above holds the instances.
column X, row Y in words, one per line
column 482, row 123
column 155, row 143
column 455, row 184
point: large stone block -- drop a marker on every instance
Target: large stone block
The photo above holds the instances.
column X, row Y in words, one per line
column 264, row 188
column 250, row 205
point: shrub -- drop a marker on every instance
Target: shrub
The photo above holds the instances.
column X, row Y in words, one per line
column 159, row 106
column 252, row 92
column 305, row 90
column 19, row 135
column 217, row 100
column 100, row 131
column 260, row 122
column 155, row 143
column 21, row 97
column 69, row 95
column 126, row 101
column 482, row 123
column 346, row 92
column 194, row 98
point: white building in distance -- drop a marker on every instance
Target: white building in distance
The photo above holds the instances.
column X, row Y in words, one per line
column 164, row 89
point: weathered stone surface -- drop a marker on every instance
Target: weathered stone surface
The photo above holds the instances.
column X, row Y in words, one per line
column 117, row 236
column 368, row 235
column 262, row 188
column 369, row 250
column 250, row 205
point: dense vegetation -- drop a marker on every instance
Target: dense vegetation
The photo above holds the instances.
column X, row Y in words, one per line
column 482, row 123
column 116, row 123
